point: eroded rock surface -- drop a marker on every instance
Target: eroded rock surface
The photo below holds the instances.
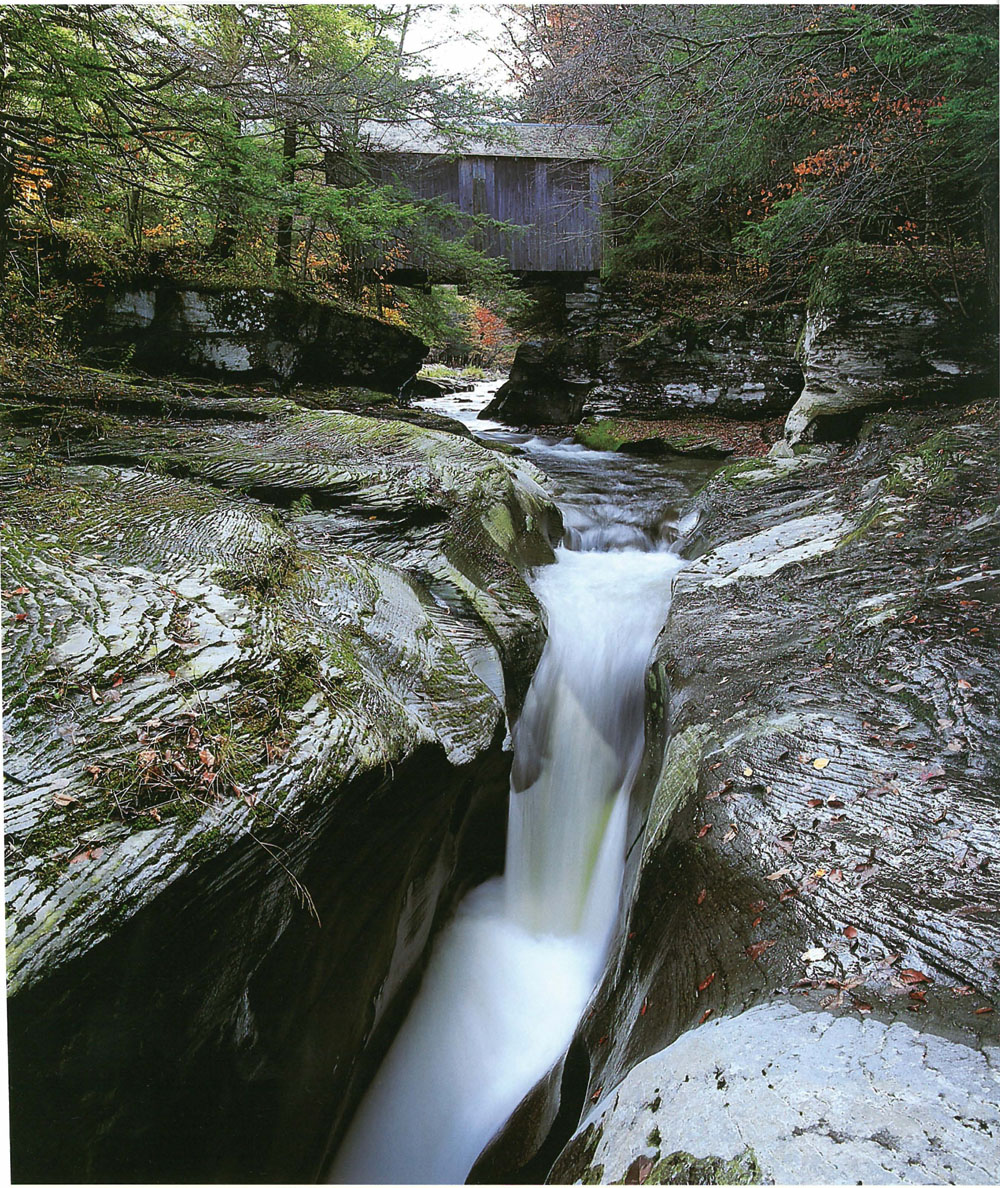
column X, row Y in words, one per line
column 250, row 334
column 882, row 351
column 825, row 824
column 258, row 670
column 790, row 1097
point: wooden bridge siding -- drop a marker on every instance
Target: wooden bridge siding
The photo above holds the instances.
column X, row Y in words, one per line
column 561, row 223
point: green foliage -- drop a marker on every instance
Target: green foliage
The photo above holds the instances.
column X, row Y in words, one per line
column 217, row 144
column 440, row 316
column 753, row 138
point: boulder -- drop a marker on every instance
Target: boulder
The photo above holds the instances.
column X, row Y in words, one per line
column 258, row 673
column 779, row 1095
column 545, row 387
column 251, row 334
column 881, row 351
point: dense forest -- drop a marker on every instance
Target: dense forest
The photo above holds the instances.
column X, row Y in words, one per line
column 216, row 144
column 763, row 135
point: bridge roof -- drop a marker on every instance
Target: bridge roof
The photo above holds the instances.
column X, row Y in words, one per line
column 576, row 142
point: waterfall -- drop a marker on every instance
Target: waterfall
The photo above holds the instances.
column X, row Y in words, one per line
column 511, row 974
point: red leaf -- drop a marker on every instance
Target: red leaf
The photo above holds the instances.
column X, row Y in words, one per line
column 985, row 1011
column 756, row 922
column 758, row 905
column 704, row 829
column 705, row 1016
column 645, row 1007
column 20, row 618
column 707, row 982
column 913, row 976
column 918, row 995
column 834, row 803
column 815, row 802
column 850, row 932
column 754, row 951
column 21, row 590
column 701, row 896
column 787, row 893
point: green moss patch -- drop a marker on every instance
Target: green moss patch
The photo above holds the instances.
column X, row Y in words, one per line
column 705, row 437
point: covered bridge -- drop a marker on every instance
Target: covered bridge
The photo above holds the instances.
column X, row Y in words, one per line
column 547, row 179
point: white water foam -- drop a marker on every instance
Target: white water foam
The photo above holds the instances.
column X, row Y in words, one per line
column 511, row 975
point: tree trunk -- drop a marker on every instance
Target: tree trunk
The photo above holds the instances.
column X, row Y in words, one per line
column 283, row 248
column 6, row 201
column 991, row 245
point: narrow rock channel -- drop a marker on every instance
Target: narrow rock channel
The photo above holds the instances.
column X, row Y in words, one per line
column 511, row 975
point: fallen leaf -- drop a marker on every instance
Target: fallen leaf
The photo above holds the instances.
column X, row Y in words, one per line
column 748, row 771
column 758, row 905
column 21, row 590
column 778, row 874
column 707, row 982
column 638, row 1170
column 815, row 802
column 932, row 773
column 704, row 829
column 756, row 922
column 787, row 894
column 961, row 684
column 850, row 932
column 754, row 951
column 705, row 1016
column 918, row 995
column 863, row 1007
column 820, row 763
column 834, row 803
column 913, row 976
column 836, row 875
column 701, row 896
column 730, row 833
column 985, row 1011
column 812, row 955
column 63, row 798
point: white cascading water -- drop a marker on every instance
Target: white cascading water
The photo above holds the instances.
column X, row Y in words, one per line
column 511, row 974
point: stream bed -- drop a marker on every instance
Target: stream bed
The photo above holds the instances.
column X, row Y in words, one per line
column 511, row 974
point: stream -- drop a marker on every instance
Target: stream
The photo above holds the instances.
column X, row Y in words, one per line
column 511, row 974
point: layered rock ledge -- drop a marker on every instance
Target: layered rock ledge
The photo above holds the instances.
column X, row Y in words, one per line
column 814, row 932
column 259, row 664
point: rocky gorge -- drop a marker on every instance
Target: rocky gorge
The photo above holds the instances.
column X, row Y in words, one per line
column 263, row 652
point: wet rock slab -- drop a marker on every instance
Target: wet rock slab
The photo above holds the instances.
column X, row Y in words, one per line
column 257, row 668
column 809, row 1097
column 824, row 826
